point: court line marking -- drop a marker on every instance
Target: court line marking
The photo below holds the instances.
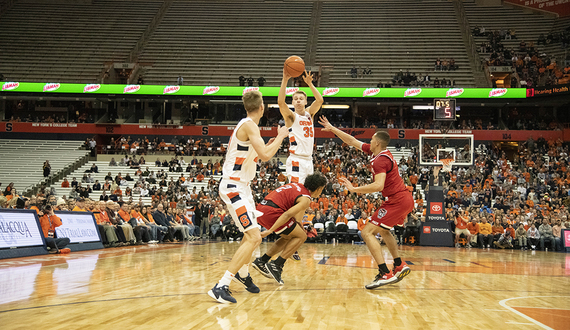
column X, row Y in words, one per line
column 504, row 304
column 478, row 264
column 512, row 322
column 268, row 291
column 448, row 271
column 562, row 309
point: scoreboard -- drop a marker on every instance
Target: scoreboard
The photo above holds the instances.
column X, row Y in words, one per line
column 444, row 109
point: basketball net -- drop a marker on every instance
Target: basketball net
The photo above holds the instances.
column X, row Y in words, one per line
column 446, row 164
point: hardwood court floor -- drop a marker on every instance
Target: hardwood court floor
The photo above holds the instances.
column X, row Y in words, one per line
column 164, row 287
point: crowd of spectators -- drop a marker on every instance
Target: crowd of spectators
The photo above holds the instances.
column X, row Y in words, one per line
column 525, row 200
column 445, row 65
column 250, row 81
column 530, row 67
column 421, row 80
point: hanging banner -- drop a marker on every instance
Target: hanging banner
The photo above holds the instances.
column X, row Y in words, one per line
column 224, row 91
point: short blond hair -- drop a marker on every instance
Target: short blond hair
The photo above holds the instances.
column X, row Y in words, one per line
column 252, row 101
column 301, row 92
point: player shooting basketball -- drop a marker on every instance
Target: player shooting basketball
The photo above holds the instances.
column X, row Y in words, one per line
column 399, row 202
column 301, row 129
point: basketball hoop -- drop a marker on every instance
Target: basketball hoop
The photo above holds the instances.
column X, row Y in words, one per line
column 447, row 164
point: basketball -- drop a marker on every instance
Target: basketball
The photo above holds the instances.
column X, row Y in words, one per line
column 294, row 66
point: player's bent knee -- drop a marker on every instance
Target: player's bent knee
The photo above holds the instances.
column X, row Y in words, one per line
column 253, row 236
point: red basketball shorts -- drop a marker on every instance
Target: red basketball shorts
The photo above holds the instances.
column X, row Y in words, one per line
column 270, row 216
column 394, row 211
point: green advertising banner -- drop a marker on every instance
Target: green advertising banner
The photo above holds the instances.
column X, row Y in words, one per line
column 415, row 92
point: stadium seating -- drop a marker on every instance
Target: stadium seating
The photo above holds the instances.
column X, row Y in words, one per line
column 22, row 160
column 104, row 168
column 69, row 42
column 209, row 42
column 555, row 49
column 388, row 36
column 528, row 25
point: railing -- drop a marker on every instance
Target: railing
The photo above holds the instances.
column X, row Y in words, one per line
column 149, row 29
column 473, row 53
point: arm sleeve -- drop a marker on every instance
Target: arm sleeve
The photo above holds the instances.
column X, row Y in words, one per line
column 366, row 148
column 56, row 221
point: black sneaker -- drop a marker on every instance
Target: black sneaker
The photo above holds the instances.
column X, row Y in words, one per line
column 275, row 271
column 247, row 283
column 261, row 267
column 296, row 256
column 222, row 294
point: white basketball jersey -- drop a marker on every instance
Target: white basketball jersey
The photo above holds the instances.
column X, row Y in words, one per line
column 301, row 135
column 240, row 158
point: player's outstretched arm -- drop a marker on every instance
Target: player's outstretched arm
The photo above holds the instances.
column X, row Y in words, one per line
column 265, row 152
column 298, row 209
column 318, row 102
column 346, row 138
column 376, row 186
column 287, row 114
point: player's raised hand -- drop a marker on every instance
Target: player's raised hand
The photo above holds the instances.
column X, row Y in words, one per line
column 308, row 78
column 327, row 127
column 282, row 131
column 344, row 181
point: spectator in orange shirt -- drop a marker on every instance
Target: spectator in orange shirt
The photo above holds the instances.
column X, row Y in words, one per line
column 49, row 221
column 497, row 230
column 65, row 183
column 461, row 228
column 361, row 223
column 200, row 177
column 141, row 232
column 106, row 230
column 473, row 227
column 486, row 233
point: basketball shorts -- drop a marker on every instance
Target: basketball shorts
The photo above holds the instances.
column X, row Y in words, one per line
column 240, row 203
column 394, row 211
column 298, row 168
column 271, row 213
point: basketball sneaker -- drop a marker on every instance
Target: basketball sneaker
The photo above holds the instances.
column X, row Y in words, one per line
column 401, row 271
column 381, row 280
column 296, row 256
column 275, row 271
column 247, row 283
column 222, row 294
column 64, row 251
column 261, row 267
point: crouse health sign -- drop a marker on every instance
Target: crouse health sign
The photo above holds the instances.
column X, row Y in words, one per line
column 85, row 89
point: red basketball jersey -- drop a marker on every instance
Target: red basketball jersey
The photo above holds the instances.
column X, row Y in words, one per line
column 286, row 195
column 384, row 163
